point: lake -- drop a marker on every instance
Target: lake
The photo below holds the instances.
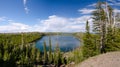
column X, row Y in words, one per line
column 65, row 43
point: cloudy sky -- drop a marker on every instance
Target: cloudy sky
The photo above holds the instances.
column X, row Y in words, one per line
column 47, row 15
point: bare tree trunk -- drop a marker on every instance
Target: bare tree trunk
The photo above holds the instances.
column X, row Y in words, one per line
column 102, row 39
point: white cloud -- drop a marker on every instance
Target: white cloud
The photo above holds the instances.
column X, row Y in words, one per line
column 26, row 10
column 111, row 4
column 116, row 10
column 117, row 3
column 52, row 24
column 61, row 24
column 92, row 5
column 86, row 11
column 2, row 19
column 111, row 0
column 25, row 7
column 114, row 2
column 14, row 27
column 24, row 2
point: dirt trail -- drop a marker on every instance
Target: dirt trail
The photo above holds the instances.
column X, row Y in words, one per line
column 111, row 59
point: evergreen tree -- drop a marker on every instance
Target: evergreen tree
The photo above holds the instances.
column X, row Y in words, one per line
column 45, row 54
column 104, row 23
column 33, row 54
column 14, row 52
column 57, row 56
column 112, row 43
column 50, row 51
column 38, row 58
column 88, row 47
column 102, row 19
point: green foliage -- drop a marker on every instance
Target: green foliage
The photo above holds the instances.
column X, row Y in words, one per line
column 33, row 54
column 11, row 53
column 78, row 55
column 89, row 48
column 113, row 40
column 38, row 57
column 103, row 23
column 45, row 54
column 19, row 50
column 57, row 56
column 50, row 52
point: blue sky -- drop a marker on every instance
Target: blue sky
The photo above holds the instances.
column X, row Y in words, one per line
column 47, row 15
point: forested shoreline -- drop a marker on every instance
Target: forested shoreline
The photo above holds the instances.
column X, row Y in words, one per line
column 17, row 48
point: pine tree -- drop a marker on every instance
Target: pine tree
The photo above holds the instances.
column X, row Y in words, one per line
column 45, row 54
column 101, row 20
column 88, row 47
column 50, row 51
column 38, row 58
column 105, row 24
column 57, row 56
column 33, row 54
column 113, row 43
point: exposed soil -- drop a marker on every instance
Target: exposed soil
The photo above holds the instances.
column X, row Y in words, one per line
column 111, row 59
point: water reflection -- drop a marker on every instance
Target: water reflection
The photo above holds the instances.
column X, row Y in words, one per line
column 66, row 43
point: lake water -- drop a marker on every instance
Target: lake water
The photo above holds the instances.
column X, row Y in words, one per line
column 65, row 43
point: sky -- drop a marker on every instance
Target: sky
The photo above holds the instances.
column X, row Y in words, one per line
column 47, row 15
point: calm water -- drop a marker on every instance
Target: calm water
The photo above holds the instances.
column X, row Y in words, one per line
column 66, row 43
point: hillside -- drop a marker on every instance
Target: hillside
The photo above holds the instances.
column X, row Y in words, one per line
column 111, row 59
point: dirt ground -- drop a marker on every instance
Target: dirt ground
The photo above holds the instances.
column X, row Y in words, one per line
column 111, row 59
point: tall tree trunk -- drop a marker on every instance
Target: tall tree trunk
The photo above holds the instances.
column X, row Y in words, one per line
column 102, row 37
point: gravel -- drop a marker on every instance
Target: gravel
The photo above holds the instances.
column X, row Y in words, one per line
column 111, row 59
